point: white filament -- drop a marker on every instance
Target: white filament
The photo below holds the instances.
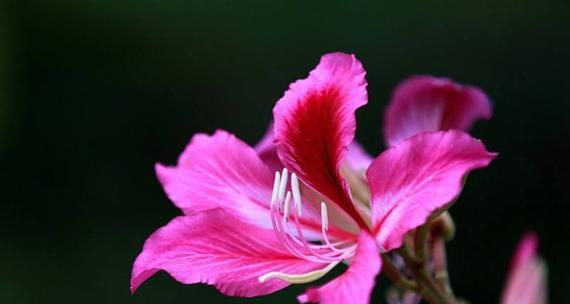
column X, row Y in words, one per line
column 287, row 206
column 326, row 253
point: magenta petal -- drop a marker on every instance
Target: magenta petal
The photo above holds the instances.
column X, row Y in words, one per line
column 219, row 171
column 356, row 284
column 356, row 157
column 216, row 248
column 267, row 151
column 414, row 179
column 526, row 283
column 315, row 123
column 426, row 103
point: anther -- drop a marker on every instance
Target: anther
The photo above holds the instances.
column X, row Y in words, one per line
column 296, row 193
column 324, row 216
column 282, row 186
column 276, row 183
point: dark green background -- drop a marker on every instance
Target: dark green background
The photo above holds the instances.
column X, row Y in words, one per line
column 93, row 93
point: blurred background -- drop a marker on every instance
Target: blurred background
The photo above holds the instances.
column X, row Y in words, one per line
column 94, row 92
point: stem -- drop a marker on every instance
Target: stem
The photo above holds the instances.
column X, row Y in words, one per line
column 440, row 265
column 395, row 275
column 428, row 288
column 421, row 243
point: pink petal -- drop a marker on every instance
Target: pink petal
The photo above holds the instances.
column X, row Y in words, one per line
column 357, row 157
column 267, row 152
column 217, row 248
column 527, row 278
column 425, row 103
column 526, row 250
column 219, row 171
column 315, row 123
column 356, row 284
column 419, row 176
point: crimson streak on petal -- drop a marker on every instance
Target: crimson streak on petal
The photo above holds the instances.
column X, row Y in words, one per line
column 315, row 123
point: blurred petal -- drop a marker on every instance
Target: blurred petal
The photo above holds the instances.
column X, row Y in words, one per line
column 216, row 248
column 416, row 178
column 526, row 250
column 527, row 278
column 426, row 103
column 315, row 123
column 356, row 284
column 219, row 171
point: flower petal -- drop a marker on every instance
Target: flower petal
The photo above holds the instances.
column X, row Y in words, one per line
column 356, row 284
column 219, row 171
column 353, row 170
column 267, row 152
column 527, row 278
column 357, row 157
column 217, row 248
column 426, row 103
column 416, row 178
column 315, row 123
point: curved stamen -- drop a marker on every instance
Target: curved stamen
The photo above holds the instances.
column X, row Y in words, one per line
column 328, row 256
column 296, row 243
column 284, row 240
column 324, row 228
column 286, row 237
column 313, row 249
column 298, row 278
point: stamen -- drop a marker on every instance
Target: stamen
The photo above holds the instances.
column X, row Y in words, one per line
column 298, row 278
column 282, row 185
column 287, row 206
column 296, row 193
column 276, row 183
column 295, row 241
column 324, row 216
column 315, row 250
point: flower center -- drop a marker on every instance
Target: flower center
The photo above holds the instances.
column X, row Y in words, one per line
column 290, row 232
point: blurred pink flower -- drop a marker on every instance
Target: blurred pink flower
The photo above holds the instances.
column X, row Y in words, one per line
column 426, row 103
column 526, row 283
column 256, row 221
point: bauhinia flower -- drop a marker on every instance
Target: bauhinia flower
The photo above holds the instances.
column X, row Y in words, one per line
column 257, row 221
column 526, row 283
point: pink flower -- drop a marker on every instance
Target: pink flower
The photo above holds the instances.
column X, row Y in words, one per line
column 250, row 231
column 526, row 283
